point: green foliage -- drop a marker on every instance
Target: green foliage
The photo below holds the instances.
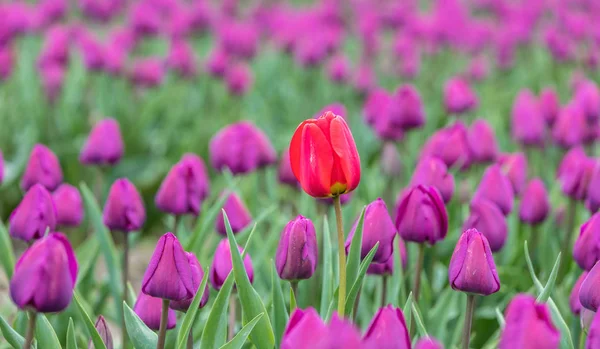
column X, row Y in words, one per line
column 141, row 336
column 190, row 315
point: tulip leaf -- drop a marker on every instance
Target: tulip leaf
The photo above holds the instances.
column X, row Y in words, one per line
column 252, row 305
column 500, row 318
column 292, row 300
column 87, row 255
column 418, row 319
column 190, row 315
column 327, row 270
column 280, row 315
column 107, row 245
column 364, row 265
column 89, row 324
column 44, row 333
column 545, row 294
column 12, row 337
column 141, row 336
column 240, row 338
column 71, row 340
column 208, row 220
column 407, row 310
column 215, row 328
column 353, row 263
column 7, row 256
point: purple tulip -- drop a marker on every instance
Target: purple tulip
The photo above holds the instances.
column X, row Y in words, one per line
column 305, row 330
column 45, row 275
column 570, row 126
column 458, row 96
column 450, row 145
column 145, row 19
column 43, row 168
column 431, row 171
column 387, row 267
column 217, row 63
column 179, row 24
column 238, row 79
column 69, row 206
column 574, row 302
column 478, row 69
column 593, row 338
column 421, row 215
column 124, row 208
column 197, row 273
column 528, row 325
column 55, row 50
column 7, row 62
column 239, row 39
column 182, row 59
column 588, row 97
column 528, row 124
column 535, row 205
column 387, row 330
column 100, row 10
column 184, row 188
column 34, row 215
column 428, row 343
column 237, row 213
column 149, row 310
column 472, row 268
column 549, row 105
column 341, row 334
column 487, row 218
column 148, row 72
column 365, row 78
column 496, row 187
column 90, row 48
column 586, row 251
column 514, row 167
column 284, row 172
column 593, row 191
column 378, row 114
column 104, row 332
column 407, row 108
column 338, row 69
column 104, row 145
column 482, row 141
column 297, row 253
column 391, row 165
column 575, row 173
column 222, row 265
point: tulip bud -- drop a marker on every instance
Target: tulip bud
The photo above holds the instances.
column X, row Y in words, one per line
column 304, row 330
column 222, row 265
column 574, row 302
column 148, row 72
column 145, row 19
column 182, row 59
column 431, row 171
column 149, row 310
column 104, row 332
column 217, row 63
column 34, row 215
column 42, row 167
column 472, row 268
column 45, row 275
column 534, row 206
column 324, row 157
column 478, row 69
column 407, row 108
column 237, row 213
column 570, row 126
column 284, row 172
column 124, row 208
column 528, row 124
column 197, row 273
column 376, row 105
column 297, row 253
column 549, row 105
column 184, row 188
column 104, row 145
column 487, row 218
column 588, row 96
column 482, row 141
column 586, row 251
column 458, row 96
column 238, row 79
column 338, row 69
column 528, row 325
column 428, row 343
column 387, row 330
column 365, row 78
column 341, row 334
column 421, row 215
column 69, row 206
column 514, row 167
column 377, row 227
column 387, row 267
column 450, row 145
column 593, row 191
column 593, row 337
column 496, row 187
column 589, row 293
column 391, row 165
column 575, row 173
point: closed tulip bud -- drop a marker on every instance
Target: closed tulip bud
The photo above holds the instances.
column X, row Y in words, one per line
column 104, row 332
column 549, row 105
column 528, row 325
column 593, row 337
column 387, row 329
column 43, row 168
column 222, row 265
column 487, row 218
column 284, row 172
column 324, row 157
column 124, row 208
column 149, row 309
column 428, row 343
column 238, row 79
column 237, row 213
column 197, row 273
column 376, row 104
column 570, row 126
column 450, row 145
column 184, row 188
column 104, row 145
column 69, row 206
column 145, row 19
column 387, row 267
column 431, row 171
column 575, row 173
column 407, row 108
column 304, row 330
column 45, row 275
column 534, row 206
column 338, row 69
column 421, row 215
column 514, row 167
column 182, row 59
column 593, row 191
column 482, row 141
column 496, row 187
column 586, row 251
column 574, row 302
column 377, row 227
column 91, row 49
column 217, row 63
column 528, row 124
column 478, row 69
column 342, row 334
column 391, row 165
column 458, row 96
column 297, row 253
column 588, row 96
column 148, row 72
column 472, row 268
column 34, row 215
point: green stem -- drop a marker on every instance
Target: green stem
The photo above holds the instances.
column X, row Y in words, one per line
column 582, row 338
column 341, row 256
column 568, row 238
column 30, row 330
column 175, row 224
column 231, row 331
column 190, row 340
column 419, row 267
column 468, row 321
column 294, row 295
column 125, row 277
column 164, row 317
column 384, row 289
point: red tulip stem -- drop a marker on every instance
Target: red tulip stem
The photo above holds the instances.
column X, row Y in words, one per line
column 418, row 269
column 384, row 290
column 164, row 318
column 190, row 340
column 125, row 277
column 341, row 256
column 468, row 320
column 30, row 330
column 231, row 331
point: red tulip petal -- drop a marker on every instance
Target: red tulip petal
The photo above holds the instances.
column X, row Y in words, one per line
column 343, row 145
column 295, row 150
column 316, row 160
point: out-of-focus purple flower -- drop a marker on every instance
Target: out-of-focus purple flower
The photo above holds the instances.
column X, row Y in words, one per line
column 387, row 330
column 45, row 275
column 222, row 265
column 575, row 173
column 450, row 145
column 284, row 172
column 148, row 72
column 50, row 11
column 574, row 302
column 514, row 167
column 238, row 39
column 43, row 168
column 336, row 108
column 238, row 79
column 387, row 268
column 391, row 165
column 338, row 69
column 104, row 145
column 34, row 215
column 55, row 50
column 588, row 96
column 535, row 205
column 297, row 253
column 487, row 218
column 200, row 16
column 100, row 10
column 217, row 62
column 237, row 213
column 570, row 126
column 549, row 105
column 149, row 309
column 593, row 192
column 528, row 325
column 559, row 44
column 407, row 108
column 104, row 332
column 304, row 330
column 377, row 114
column 365, row 78
column 478, row 69
column 90, row 48
column 421, row 215
column 589, row 293
column 458, row 96
column 428, row 343
column 431, row 171
column 482, row 141
column 145, row 19
column 496, row 187
column 310, row 51
column 586, row 250
column 528, row 124
column 69, row 206
column 197, row 273
column 179, row 23
column 182, row 59
column 6, row 61
column 52, row 76
column 124, row 208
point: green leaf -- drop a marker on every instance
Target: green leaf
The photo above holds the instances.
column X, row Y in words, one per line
column 418, row 319
column 44, row 333
column 215, row 329
column 141, row 336
column 107, row 245
column 500, row 318
column 327, row 270
column 89, row 324
column 7, row 257
column 240, row 338
column 280, row 315
column 71, row 340
column 252, row 305
column 353, row 262
column 351, row 297
column 543, row 297
column 292, row 300
column 190, row 315
column 12, row 337
column 208, row 219
column 87, row 255
column 407, row 310
column 398, row 290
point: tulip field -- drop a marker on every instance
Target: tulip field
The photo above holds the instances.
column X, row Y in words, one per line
column 310, row 174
